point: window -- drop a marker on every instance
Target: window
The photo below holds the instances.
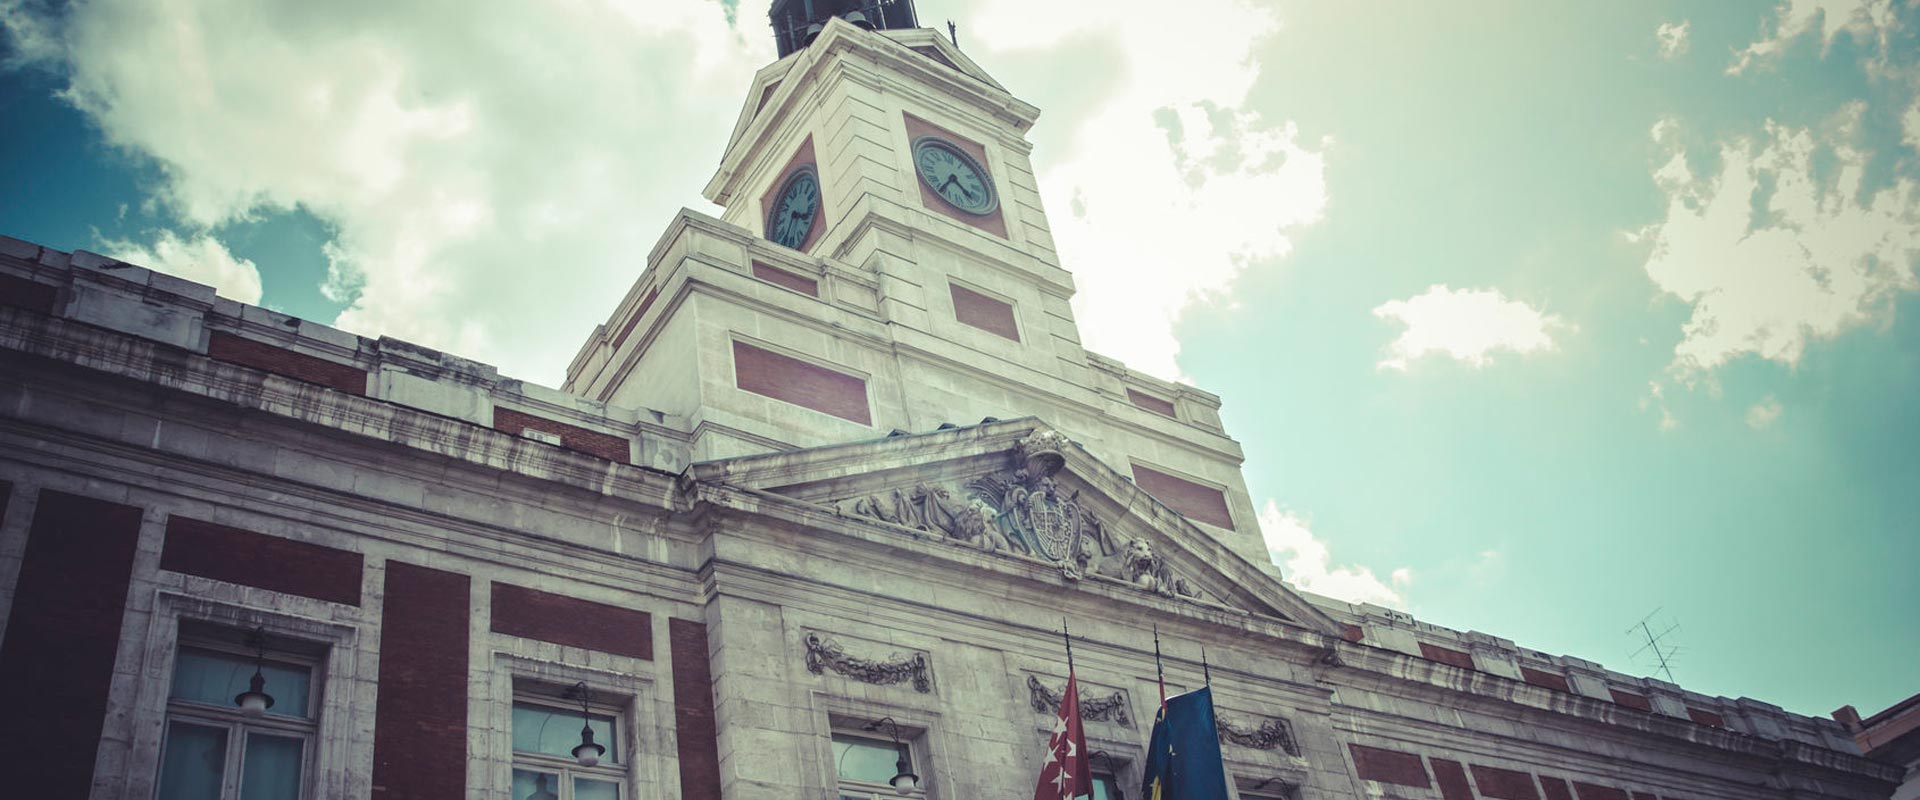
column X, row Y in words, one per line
column 212, row 750
column 1106, row 787
column 865, row 766
column 545, row 731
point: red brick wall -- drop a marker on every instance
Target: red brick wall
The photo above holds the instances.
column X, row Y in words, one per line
column 1504, row 784
column 1631, row 700
column 1452, row 779
column 267, row 562
column 420, row 734
column 1556, row 789
column 23, row 293
column 572, row 437
column 287, row 363
column 1388, row 766
column 693, row 720
column 1546, row 679
column 783, row 278
column 640, row 311
column 1588, row 791
column 993, row 222
column 1644, row 796
column 983, row 312
column 1150, row 403
column 1197, row 502
column 801, row 383
column 56, row 663
column 571, row 621
column 1706, row 718
column 802, row 156
column 1446, row 655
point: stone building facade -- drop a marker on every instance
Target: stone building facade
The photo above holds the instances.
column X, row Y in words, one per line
column 798, row 501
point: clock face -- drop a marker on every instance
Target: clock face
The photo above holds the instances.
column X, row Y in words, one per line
column 955, row 176
column 794, row 209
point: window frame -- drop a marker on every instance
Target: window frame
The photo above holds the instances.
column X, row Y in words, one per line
column 340, row 692
column 621, row 753
column 238, row 727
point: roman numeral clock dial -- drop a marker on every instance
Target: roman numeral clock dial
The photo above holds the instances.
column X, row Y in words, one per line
column 955, row 176
column 791, row 218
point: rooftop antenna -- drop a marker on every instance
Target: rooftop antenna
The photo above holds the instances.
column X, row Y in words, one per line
column 1663, row 654
column 953, row 33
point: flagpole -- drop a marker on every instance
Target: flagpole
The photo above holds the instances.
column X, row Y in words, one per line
column 1159, row 667
column 1069, row 639
column 1204, row 669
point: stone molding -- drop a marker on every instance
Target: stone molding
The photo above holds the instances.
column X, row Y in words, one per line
column 1273, row 733
column 825, row 654
column 1109, row 708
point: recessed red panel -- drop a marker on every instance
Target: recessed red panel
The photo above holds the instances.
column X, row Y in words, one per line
column 253, row 559
column 785, row 279
column 1631, row 700
column 983, row 312
column 1150, row 403
column 1446, row 655
column 1195, row 501
column 286, row 363
column 801, row 383
column 1452, row 779
column 548, row 617
column 1545, row 679
column 1388, row 766
column 1504, row 784
column 572, row 437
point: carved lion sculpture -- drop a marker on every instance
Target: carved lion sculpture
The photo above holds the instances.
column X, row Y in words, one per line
column 976, row 525
column 1147, row 570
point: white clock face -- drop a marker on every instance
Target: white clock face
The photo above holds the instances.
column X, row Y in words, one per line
column 955, row 176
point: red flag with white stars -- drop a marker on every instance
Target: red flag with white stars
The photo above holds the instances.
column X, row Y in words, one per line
column 1065, row 775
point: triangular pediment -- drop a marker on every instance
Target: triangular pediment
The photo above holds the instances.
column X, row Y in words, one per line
column 1020, row 490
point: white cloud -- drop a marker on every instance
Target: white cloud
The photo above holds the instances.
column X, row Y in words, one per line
column 1772, row 253
column 1870, row 21
column 1305, row 561
column 493, row 177
column 1910, row 126
column 1764, row 413
column 1672, row 38
column 201, row 259
column 1465, row 324
column 1169, row 187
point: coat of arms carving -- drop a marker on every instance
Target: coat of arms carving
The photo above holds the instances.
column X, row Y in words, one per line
column 1025, row 511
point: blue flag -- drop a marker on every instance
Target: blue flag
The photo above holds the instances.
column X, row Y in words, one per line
column 1183, row 758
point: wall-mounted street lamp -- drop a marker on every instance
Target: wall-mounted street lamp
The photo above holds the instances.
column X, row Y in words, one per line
column 255, row 701
column 903, row 781
column 1113, row 769
column 586, row 753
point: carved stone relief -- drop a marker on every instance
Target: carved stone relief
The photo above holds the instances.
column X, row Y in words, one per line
column 826, row 654
column 1024, row 512
column 1111, row 708
column 1273, row 733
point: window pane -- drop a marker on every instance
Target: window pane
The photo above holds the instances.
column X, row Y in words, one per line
column 541, row 729
column 866, row 760
column 530, row 785
column 1103, row 787
column 215, row 678
column 192, row 766
column 589, row 789
column 270, row 768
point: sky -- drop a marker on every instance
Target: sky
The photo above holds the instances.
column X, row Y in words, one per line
column 1533, row 318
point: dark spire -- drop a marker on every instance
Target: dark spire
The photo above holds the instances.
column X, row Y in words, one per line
column 796, row 22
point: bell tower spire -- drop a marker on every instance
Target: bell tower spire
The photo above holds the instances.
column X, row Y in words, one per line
column 797, row 22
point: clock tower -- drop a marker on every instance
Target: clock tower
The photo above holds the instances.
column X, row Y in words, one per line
column 883, row 263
